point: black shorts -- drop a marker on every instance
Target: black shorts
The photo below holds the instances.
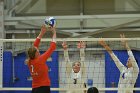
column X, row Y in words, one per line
column 42, row 89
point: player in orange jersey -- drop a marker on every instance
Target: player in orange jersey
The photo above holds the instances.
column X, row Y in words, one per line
column 37, row 62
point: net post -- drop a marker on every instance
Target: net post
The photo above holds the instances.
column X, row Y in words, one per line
column 1, row 43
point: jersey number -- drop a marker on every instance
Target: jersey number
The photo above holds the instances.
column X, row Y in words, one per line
column 32, row 71
column 32, row 68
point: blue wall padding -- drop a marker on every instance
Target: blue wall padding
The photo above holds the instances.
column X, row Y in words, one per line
column 22, row 72
column 7, row 69
column 111, row 71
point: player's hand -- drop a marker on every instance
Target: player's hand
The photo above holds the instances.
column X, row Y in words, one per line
column 81, row 44
column 42, row 32
column 123, row 40
column 102, row 42
column 43, row 29
column 64, row 45
column 53, row 29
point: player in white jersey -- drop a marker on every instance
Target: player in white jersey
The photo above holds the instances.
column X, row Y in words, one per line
column 128, row 73
column 76, row 73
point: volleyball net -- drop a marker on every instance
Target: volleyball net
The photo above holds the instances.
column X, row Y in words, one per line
column 100, row 69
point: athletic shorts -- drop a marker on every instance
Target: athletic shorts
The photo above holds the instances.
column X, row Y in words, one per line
column 42, row 89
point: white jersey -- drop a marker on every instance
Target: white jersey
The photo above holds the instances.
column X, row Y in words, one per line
column 75, row 75
column 75, row 80
column 128, row 76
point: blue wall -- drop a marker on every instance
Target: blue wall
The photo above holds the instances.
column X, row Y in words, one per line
column 112, row 73
column 22, row 72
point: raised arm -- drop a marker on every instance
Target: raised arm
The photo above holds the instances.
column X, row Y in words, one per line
column 42, row 32
column 113, row 56
column 81, row 45
column 52, row 47
column 66, row 58
column 130, row 54
column 37, row 41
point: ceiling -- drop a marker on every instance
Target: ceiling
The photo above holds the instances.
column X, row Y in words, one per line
column 75, row 18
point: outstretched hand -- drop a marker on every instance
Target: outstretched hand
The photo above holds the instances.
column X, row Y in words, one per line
column 42, row 32
column 43, row 29
column 53, row 29
column 81, row 44
column 122, row 40
column 64, row 45
column 105, row 45
column 102, row 42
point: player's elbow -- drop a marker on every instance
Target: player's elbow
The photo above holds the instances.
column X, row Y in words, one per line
column 53, row 46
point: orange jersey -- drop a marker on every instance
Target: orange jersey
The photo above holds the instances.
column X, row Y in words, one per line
column 38, row 68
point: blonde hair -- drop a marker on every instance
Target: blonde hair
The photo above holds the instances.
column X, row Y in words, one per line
column 76, row 62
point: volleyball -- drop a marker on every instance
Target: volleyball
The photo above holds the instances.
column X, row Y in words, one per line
column 50, row 22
